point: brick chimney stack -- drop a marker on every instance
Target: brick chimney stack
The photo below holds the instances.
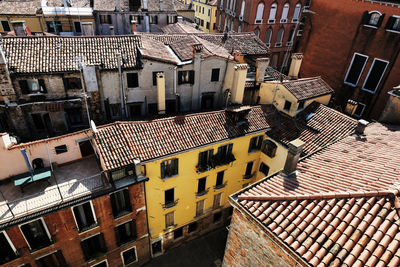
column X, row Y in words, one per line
column 294, row 151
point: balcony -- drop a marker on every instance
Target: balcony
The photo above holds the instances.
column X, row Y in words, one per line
column 220, row 160
column 220, row 186
column 248, row 176
column 170, row 204
column 202, row 193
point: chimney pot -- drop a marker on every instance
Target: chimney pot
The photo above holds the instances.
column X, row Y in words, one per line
column 294, row 150
column 361, row 125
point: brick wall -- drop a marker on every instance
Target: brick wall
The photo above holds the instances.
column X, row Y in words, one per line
column 63, row 231
column 249, row 245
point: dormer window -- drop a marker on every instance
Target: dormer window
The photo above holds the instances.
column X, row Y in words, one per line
column 372, row 19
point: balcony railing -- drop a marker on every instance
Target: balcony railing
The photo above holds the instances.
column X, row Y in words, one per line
column 216, row 187
column 170, row 204
column 216, row 160
column 248, row 176
column 202, row 193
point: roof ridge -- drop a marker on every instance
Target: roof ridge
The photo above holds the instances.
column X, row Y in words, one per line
column 328, row 195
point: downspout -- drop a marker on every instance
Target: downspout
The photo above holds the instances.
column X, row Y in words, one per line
column 175, row 94
column 223, row 81
column 121, row 87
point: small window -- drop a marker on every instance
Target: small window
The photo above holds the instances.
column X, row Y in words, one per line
column 296, row 13
column 132, row 80
column 373, row 19
column 205, row 158
column 54, row 26
column 192, row 227
column 129, row 256
column 215, row 75
column 156, row 247
column 78, row 28
column 5, row 25
column 272, row 13
column 287, row 106
column 301, row 105
column 269, row 148
column 359, row 110
column 153, row 19
column 217, row 217
column 217, row 201
column 393, row 24
column 264, row 168
column 105, row 19
column 172, row 19
column 32, row 86
column 268, row 36
column 74, row 116
column 7, row 249
column 134, row 5
column 155, row 77
column 201, row 23
column 356, row 67
column 169, row 219
column 169, row 198
column 55, row 259
column 375, row 75
column 125, row 232
column 279, row 38
column 36, row 234
column 199, row 207
column 225, row 151
column 255, row 143
column 285, row 12
column 72, row 83
column 208, row 25
column 249, row 169
column 178, row 233
column 61, row 149
column 85, row 217
column 169, row 168
column 120, row 203
column 201, row 186
column 186, row 76
column 260, row 12
column 94, row 247
column 220, row 178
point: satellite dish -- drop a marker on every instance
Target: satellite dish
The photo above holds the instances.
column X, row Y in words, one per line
column 93, row 126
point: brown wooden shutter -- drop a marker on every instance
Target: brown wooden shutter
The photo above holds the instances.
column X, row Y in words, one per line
column 365, row 18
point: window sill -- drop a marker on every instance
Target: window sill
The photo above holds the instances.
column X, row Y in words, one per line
column 370, row 26
column 126, row 242
column 170, row 227
column 38, row 249
column 87, row 229
column 200, row 194
column 170, row 205
column 169, row 177
column 217, row 187
column 394, row 31
column 122, row 214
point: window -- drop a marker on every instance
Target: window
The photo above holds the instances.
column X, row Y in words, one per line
column 136, row 19
column 279, row 38
column 296, row 13
column 115, row 110
column 74, row 116
column 217, row 217
column 264, row 168
column 169, row 219
column 287, row 106
column 156, row 247
column 169, row 168
column 199, row 207
column 272, row 13
column 203, row 10
column 242, row 8
column 153, row 19
column 105, row 19
column 239, row 29
column 285, row 12
column 268, row 36
column 32, row 86
column 255, row 143
column 129, row 256
column 201, row 186
column 225, row 151
column 205, row 160
column 217, row 201
column 55, row 259
column 249, row 168
column 5, row 25
column 208, row 25
column 120, row 202
column 260, row 12
column 77, row 26
column 85, row 217
column 104, row 263
column 359, row 110
column 192, row 227
column 134, row 5
column 54, row 26
column 201, row 23
column 125, row 232
column 186, row 76
column 291, row 36
column 375, row 75
column 72, row 83
column 257, row 33
column 215, row 75
column 178, row 233
column 38, row 121
column 171, row 19
column 393, row 24
column 36, row 234
column 93, row 246
column 7, row 249
column 372, row 19
column 209, row 12
column 301, row 105
column 132, row 80
column 169, row 198
column 356, row 67
column 269, row 148
column 61, row 149
column 220, row 179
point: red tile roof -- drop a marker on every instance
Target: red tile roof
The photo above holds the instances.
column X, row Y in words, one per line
column 308, row 88
column 342, row 207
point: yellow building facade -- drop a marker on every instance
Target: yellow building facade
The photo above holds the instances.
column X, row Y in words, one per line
column 206, row 15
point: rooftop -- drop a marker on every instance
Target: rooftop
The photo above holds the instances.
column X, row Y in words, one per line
column 180, row 27
column 153, row 5
column 12, row 7
column 307, row 88
column 342, row 206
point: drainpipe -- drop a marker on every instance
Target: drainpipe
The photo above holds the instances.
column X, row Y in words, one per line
column 121, row 87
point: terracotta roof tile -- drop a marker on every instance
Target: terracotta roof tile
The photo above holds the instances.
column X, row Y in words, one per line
column 308, row 88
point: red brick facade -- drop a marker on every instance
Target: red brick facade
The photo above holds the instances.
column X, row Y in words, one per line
column 66, row 238
column 249, row 23
column 334, row 33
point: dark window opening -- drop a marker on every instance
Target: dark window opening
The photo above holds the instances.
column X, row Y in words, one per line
column 74, row 116
column 249, row 169
column 153, row 19
column 372, row 19
column 156, row 247
column 169, row 168
column 201, row 186
column 178, row 233
column 135, row 110
column 129, row 256
column 287, row 106
column 215, row 75
column 208, row 25
column 169, row 197
column 36, row 235
column 61, row 149
column 132, row 80
column 207, row 101
column 269, row 148
column 3, row 123
column 32, row 86
column 86, row 148
column 217, row 217
column 186, row 76
column 170, row 106
column 101, row 264
column 7, row 253
column 94, row 247
column 125, row 233
column 152, row 108
column 84, row 216
column 355, row 69
column 38, row 121
column 359, row 110
column 120, row 202
column 72, row 83
column 220, row 178
column 255, row 143
column 54, row 26
column 301, row 105
column 393, row 24
column 224, row 155
column 115, row 110
column 134, row 5
column 78, row 28
column 375, row 75
column 53, row 260
column 264, row 168
column 230, row 211
column 5, row 25
column 192, row 227
column 205, row 158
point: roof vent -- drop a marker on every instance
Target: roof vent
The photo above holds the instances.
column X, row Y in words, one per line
column 362, row 124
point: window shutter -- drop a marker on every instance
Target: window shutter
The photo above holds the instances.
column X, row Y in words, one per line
column 365, row 18
column 154, row 78
column 162, row 169
column 175, row 166
column 180, row 73
column 102, row 244
column 113, row 204
column 230, row 146
column 380, row 20
column 191, row 76
column 42, row 86
column 127, row 199
column 390, row 23
column 156, row 19
column 117, row 236
column 23, row 84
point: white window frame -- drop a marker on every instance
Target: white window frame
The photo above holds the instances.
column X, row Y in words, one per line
column 298, row 9
column 380, row 79
column 391, row 30
column 260, row 12
column 137, row 259
column 45, row 228
column 162, row 247
column 272, row 13
column 362, row 112
column 285, row 13
column 242, row 8
column 370, row 13
column 10, row 243
column 351, row 64
column 93, row 212
column 105, row 260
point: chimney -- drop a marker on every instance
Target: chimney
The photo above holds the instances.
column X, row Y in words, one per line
column 161, row 5
column 294, row 69
column 134, row 27
column 262, row 64
column 294, row 150
column 391, row 113
column 239, row 81
column 138, row 170
column 161, row 93
column 197, row 48
column 361, row 125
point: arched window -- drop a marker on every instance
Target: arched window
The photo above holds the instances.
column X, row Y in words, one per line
column 285, row 12
column 374, row 18
column 268, row 36
column 296, row 13
column 291, row 35
column 279, row 39
column 257, row 32
column 272, row 13
column 260, row 11
column 240, row 28
column 242, row 9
